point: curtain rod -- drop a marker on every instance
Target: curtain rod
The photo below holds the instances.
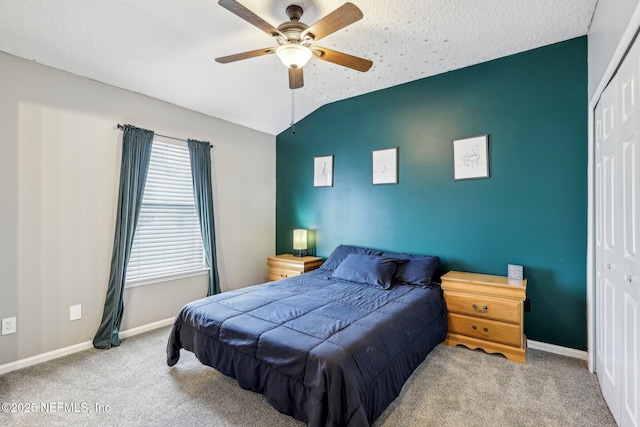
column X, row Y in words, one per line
column 164, row 136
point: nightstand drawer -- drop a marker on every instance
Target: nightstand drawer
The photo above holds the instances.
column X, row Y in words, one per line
column 280, row 273
column 485, row 307
column 490, row 330
column 287, row 265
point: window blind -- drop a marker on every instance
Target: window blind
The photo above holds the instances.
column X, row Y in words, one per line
column 167, row 239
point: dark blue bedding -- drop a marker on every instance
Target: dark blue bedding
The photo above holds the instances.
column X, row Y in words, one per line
column 325, row 351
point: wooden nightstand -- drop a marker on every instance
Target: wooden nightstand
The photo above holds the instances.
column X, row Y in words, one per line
column 486, row 312
column 287, row 265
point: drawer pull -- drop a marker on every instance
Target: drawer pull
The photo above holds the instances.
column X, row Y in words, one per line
column 474, row 327
column 480, row 310
column 486, row 329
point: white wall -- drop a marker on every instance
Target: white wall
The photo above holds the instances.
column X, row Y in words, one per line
column 609, row 22
column 59, row 170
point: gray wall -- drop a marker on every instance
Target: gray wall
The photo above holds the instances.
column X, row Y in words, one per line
column 59, row 172
column 609, row 22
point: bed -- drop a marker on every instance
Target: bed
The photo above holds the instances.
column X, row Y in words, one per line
column 332, row 347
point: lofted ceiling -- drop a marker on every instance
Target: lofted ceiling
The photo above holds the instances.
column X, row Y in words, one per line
column 165, row 49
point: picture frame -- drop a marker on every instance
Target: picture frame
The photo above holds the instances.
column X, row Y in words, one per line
column 471, row 158
column 385, row 166
column 323, row 171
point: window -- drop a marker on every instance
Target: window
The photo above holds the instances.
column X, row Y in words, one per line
column 167, row 240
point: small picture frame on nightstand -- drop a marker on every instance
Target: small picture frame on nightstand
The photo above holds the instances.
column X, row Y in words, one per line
column 515, row 271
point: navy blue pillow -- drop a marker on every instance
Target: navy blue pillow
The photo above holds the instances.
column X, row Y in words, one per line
column 418, row 270
column 367, row 269
column 342, row 251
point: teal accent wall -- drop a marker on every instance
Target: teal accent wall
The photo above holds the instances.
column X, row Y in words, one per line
column 531, row 211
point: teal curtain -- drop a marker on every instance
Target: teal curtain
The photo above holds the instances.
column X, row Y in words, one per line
column 136, row 151
column 200, row 156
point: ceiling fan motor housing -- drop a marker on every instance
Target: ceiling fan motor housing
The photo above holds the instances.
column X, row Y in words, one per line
column 294, row 12
column 292, row 31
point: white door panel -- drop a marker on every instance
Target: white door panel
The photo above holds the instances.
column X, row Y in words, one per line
column 628, row 277
column 607, row 224
column 617, row 236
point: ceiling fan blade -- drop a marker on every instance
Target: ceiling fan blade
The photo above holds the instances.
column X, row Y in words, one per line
column 245, row 55
column 244, row 13
column 296, row 81
column 343, row 59
column 345, row 15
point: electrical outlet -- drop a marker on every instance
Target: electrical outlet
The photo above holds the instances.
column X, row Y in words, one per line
column 9, row 326
column 75, row 312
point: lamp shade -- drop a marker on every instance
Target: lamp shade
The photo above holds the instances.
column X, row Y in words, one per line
column 294, row 55
column 300, row 239
column 300, row 242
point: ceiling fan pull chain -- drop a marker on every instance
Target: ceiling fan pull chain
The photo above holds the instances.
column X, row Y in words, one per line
column 293, row 107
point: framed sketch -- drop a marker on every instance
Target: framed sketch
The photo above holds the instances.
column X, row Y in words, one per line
column 323, row 171
column 471, row 158
column 385, row 166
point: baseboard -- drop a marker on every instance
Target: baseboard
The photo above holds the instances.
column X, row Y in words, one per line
column 44, row 357
column 146, row 328
column 556, row 349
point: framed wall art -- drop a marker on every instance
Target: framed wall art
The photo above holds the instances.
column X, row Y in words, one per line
column 471, row 158
column 385, row 166
column 323, row 171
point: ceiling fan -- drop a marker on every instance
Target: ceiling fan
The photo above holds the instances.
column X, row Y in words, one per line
column 296, row 39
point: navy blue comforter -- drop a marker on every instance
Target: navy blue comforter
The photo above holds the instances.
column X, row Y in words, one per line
column 326, row 352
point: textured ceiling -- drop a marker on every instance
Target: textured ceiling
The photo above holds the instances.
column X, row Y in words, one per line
column 166, row 48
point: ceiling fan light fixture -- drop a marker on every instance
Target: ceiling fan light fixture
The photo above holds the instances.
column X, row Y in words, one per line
column 294, row 55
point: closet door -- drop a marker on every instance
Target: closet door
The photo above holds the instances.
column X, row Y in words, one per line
column 629, row 257
column 617, row 163
column 608, row 196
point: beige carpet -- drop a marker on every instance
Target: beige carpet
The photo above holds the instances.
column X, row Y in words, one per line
column 132, row 386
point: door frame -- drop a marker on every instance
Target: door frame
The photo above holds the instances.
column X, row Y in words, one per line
column 618, row 56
